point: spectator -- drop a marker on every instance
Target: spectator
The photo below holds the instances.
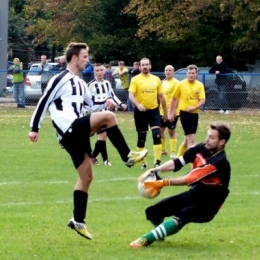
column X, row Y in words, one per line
column 45, row 70
column 122, row 73
column 88, row 72
column 18, row 87
column 108, row 76
column 220, row 68
column 61, row 65
column 135, row 70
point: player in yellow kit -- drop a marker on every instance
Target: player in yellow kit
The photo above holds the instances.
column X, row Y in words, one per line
column 144, row 91
column 168, row 86
column 189, row 96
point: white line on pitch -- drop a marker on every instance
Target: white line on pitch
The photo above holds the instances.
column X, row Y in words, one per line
column 60, row 181
column 28, row 203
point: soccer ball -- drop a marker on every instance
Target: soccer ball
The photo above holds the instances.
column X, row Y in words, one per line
column 150, row 192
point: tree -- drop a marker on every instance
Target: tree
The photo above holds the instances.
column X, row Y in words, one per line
column 19, row 44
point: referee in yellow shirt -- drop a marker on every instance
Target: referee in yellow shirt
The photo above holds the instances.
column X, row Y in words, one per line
column 191, row 96
column 144, row 91
column 168, row 86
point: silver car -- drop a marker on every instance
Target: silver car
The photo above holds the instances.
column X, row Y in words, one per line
column 32, row 84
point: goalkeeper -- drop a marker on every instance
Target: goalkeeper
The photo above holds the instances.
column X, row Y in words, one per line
column 208, row 181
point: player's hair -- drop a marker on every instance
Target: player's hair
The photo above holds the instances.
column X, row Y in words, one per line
column 169, row 66
column 108, row 66
column 98, row 64
column 74, row 48
column 137, row 63
column 192, row 67
column 223, row 130
column 145, row 59
column 121, row 63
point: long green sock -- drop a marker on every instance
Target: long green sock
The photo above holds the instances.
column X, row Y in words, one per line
column 165, row 229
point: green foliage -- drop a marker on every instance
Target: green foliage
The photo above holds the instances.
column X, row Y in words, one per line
column 37, row 181
column 131, row 29
column 19, row 43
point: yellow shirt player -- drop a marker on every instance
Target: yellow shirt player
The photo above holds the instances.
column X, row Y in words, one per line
column 144, row 91
column 122, row 72
column 189, row 96
column 169, row 84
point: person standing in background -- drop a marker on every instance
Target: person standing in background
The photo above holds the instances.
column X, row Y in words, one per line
column 122, row 72
column 220, row 68
column 18, row 80
column 88, row 72
column 134, row 72
column 61, row 65
column 45, row 70
column 108, row 76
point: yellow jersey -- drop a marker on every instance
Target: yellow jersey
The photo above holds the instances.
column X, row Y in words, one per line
column 123, row 78
column 189, row 94
column 146, row 89
column 168, row 86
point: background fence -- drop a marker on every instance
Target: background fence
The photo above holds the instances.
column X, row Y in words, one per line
column 234, row 90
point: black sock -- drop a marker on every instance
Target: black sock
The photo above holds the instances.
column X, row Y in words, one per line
column 103, row 149
column 96, row 149
column 80, row 205
column 117, row 139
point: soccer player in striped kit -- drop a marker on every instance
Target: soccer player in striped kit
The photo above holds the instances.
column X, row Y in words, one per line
column 65, row 96
column 101, row 90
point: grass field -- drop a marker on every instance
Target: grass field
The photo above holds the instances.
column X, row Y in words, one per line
column 37, row 181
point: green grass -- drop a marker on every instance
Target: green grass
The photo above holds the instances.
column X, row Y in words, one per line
column 37, row 181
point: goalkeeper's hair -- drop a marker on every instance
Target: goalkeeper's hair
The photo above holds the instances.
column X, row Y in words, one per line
column 223, row 129
column 74, row 48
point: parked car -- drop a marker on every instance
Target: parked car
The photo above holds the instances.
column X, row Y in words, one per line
column 32, row 84
column 235, row 84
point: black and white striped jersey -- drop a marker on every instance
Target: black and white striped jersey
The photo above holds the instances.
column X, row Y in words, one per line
column 100, row 92
column 65, row 96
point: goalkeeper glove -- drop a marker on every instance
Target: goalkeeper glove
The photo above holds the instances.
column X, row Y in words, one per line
column 156, row 185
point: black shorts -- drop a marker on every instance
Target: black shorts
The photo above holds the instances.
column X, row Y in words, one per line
column 194, row 205
column 189, row 122
column 146, row 118
column 76, row 141
column 169, row 124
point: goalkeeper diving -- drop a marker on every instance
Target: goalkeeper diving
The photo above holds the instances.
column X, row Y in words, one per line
column 208, row 182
